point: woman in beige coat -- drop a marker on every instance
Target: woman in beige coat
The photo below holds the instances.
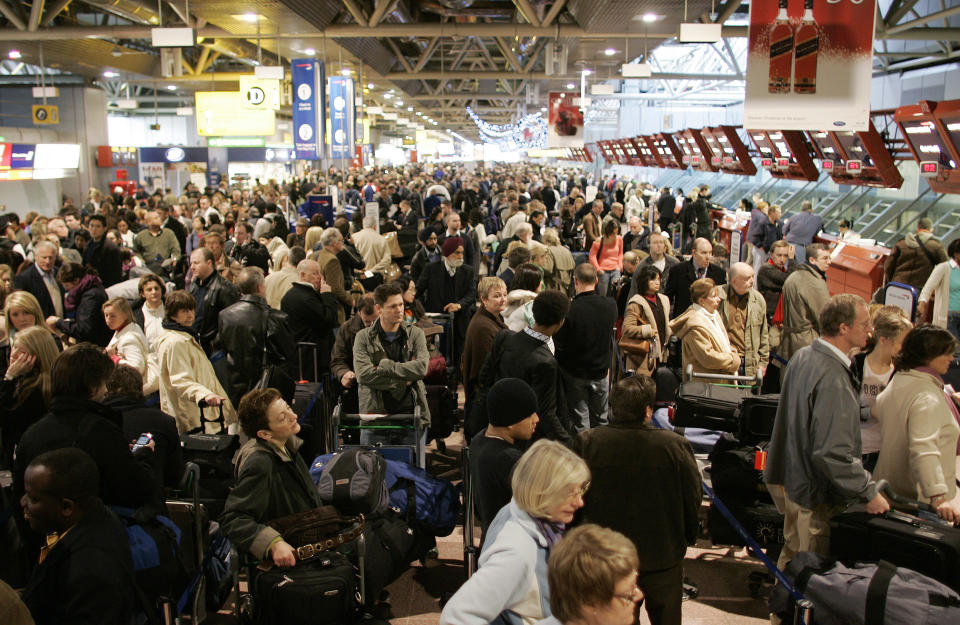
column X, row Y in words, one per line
column 646, row 317
column 918, row 423
column 186, row 375
column 706, row 345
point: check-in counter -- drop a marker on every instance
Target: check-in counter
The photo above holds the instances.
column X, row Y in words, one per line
column 854, row 269
column 728, row 222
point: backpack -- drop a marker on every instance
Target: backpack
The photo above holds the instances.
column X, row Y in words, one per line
column 159, row 564
column 352, row 480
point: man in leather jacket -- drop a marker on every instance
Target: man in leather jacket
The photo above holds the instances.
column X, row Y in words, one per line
column 213, row 293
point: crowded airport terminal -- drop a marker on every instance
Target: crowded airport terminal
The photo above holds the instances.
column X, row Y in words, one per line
column 479, row 312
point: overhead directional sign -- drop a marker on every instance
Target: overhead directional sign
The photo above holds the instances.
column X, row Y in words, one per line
column 260, row 93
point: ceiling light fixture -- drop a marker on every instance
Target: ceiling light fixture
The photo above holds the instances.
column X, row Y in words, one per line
column 609, row 51
column 570, row 85
column 309, row 51
column 650, row 17
column 250, row 17
column 370, row 85
column 387, row 95
column 345, row 71
column 410, row 108
column 14, row 54
column 110, row 74
column 171, row 87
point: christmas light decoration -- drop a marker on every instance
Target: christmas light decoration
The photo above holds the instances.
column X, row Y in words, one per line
column 529, row 132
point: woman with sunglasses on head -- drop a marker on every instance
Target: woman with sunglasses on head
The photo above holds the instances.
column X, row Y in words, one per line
column 593, row 579
column 510, row 586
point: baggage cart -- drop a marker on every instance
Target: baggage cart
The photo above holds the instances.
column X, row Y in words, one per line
column 409, row 431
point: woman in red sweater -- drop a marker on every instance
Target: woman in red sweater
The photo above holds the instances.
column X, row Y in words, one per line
column 606, row 255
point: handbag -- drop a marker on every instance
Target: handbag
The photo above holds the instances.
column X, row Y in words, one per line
column 315, row 531
column 634, row 346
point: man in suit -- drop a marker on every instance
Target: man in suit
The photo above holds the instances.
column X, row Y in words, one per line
column 40, row 280
column 408, row 217
column 450, row 286
column 172, row 223
column 665, row 206
column 331, row 241
column 684, row 274
column 99, row 253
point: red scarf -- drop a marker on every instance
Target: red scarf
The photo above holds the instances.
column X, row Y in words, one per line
column 777, row 318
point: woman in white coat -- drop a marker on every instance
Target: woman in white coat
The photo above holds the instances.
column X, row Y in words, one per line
column 128, row 346
column 944, row 285
column 186, row 375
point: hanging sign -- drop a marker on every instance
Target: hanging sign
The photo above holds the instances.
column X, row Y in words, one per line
column 565, row 121
column 809, row 65
column 308, row 119
column 342, row 120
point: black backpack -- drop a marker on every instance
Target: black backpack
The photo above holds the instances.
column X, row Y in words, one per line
column 354, row 481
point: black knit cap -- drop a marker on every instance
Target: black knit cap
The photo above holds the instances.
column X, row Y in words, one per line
column 510, row 401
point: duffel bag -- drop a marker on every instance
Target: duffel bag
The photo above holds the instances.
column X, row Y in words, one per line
column 865, row 593
column 708, row 406
column 323, row 591
column 436, row 502
column 353, row 480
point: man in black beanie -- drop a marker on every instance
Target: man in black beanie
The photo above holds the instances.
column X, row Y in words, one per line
column 512, row 412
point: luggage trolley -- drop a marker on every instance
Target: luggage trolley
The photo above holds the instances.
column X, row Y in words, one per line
column 415, row 424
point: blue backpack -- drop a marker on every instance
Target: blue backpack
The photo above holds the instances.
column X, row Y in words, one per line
column 428, row 503
column 158, row 561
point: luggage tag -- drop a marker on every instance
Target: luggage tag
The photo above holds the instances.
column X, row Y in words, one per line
column 760, row 460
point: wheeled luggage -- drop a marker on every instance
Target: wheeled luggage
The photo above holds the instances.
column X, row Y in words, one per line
column 926, row 545
column 310, row 405
column 213, row 454
column 323, row 591
column 711, row 401
column 866, row 593
column 444, row 414
column 755, row 418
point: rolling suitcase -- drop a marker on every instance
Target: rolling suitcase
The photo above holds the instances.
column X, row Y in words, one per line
column 444, row 414
column 911, row 537
column 756, row 416
column 711, row 401
column 310, row 406
column 213, row 454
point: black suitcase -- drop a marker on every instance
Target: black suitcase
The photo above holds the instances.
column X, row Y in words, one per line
column 213, row 454
column 310, row 406
column 444, row 414
column 756, row 416
column 926, row 546
column 761, row 520
column 737, row 473
column 708, row 406
column 323, row 591
column 667, row 382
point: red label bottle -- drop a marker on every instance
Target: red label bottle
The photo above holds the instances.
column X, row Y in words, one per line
column 781, row 51
column 805, row 56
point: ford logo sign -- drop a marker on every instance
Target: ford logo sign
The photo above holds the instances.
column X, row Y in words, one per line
column 175, row 155
column 839, row 124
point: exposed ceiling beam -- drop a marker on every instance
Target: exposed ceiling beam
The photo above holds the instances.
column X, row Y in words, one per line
column 939, row 15
column 525, row 10
column 504, row 75
column 508, row 53
column 448, row 29
column 355, row 11
column 400, row 57
column 535, row 54
column 11, row 15
column 379, row 11
column 427, row 53
column 553, row 13
column 36, row 12
column 898, row 10
column 54, row 11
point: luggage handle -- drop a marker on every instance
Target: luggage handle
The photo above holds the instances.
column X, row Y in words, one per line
column 901, row 502
column 204, row 421
column 755, row 381
column 316, row 369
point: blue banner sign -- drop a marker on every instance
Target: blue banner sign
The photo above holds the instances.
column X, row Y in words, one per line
column 308, row 118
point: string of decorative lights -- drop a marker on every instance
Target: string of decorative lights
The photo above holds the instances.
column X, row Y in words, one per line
column 529, row 132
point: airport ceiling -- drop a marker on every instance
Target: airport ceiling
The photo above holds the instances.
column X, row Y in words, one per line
column 437, row 56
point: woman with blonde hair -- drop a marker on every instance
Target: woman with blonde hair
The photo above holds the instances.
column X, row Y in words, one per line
column 25, row 389
column 128, row 345
column 548, row 485
column 312, row 238
column 487, row 321
column 593, row 578
column 874, row 367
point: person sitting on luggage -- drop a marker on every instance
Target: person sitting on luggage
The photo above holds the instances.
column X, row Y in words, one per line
column 186, row 374
column 918, row 423
column 593, row 578
column 512, row 414
column 125, row 395
column 390, row 359
column 647, row 318
column 85, row 571
column 341, row 360
column 272, row 478
column 548, row 486
column 659, row 512
column 874, row 368
column 814, row 468
column 705, row 342
column 744, row 314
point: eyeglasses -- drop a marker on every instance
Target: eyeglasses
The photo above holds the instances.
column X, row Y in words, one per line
column 634, row 596
column 581, row 490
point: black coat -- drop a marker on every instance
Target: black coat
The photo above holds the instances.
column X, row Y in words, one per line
column 431, row 288
column 420, row 261
column 646, row 485
column 770, row 284
column 220, row 294
column 583, row 341
column 139, row 418
column 241, row 334
column 178, row 229
column 105, row 258
column 469, row 253
column 88, row 323
column 528, row 358
column 666, row 206
column 680, row 278
column 312, row 316
column 30, row 280
column 126, row 479
column 87, row 579
column 15, row 419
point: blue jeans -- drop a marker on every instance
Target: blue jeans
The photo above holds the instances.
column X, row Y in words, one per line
column 953, row 324
column 801, row 253
column 605, row 279
column 587, row 400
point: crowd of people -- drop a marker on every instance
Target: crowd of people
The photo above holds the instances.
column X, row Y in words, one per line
column 125, row 314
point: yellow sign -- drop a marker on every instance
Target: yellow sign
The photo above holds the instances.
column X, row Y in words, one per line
column 221, row 114
column 260, row 93
column 46, row 114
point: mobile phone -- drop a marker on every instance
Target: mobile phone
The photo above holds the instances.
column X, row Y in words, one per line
column 144, row 439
